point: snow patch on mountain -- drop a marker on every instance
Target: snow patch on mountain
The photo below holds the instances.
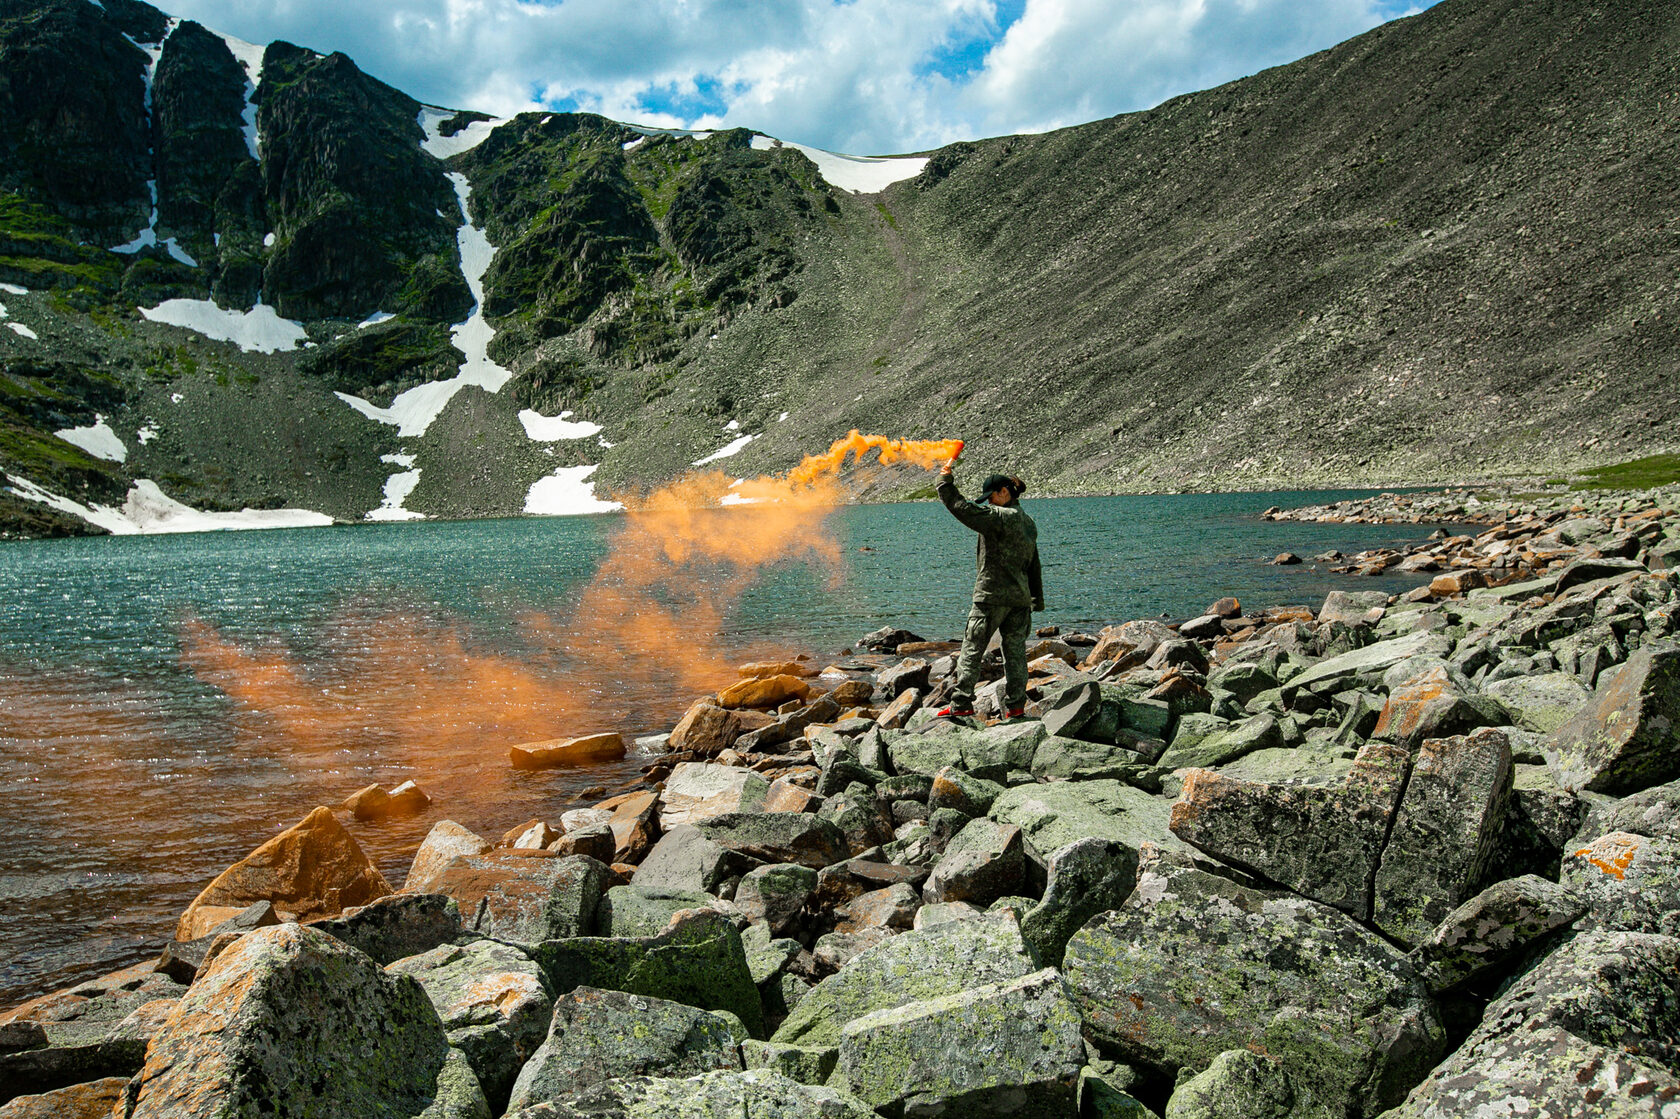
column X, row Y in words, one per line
column 567, row 492
column 97, row 439
column 250, row 56
column 551, row 429
column 150, row 511
column 259, row 330
column 412, row 412
column 436, row 143
column 858, row 174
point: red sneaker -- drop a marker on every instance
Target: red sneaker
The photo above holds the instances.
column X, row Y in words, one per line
column 954, row 712
column 1015, row 712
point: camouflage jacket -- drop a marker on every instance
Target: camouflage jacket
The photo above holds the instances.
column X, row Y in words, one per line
column 1007, row 553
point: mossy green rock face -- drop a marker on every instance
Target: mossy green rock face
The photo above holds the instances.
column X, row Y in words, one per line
column 73, row 118
column 1591, row 1031
column 1087, row 877
column 1541, row 703
column 1630, row 882
column 911, row 967
column 494, row 1002
column 1057, row 814
column 992, row 754
column 1444, row 835
column 1259, row 733
column 600, row 1035
column 1193, row 965
column 1005, row 1049
column 776, row 894
column 291, row 1022
column 459, row 1094
column 1493, row 927
column 806, row 1064
column 1627, row 737
column 758, row 1094
column 1239, row 1082
column 698, row 961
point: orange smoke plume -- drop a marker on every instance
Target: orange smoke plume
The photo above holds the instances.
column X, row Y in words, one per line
column 650, row 621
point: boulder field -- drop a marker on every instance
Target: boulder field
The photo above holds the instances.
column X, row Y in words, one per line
column 1391, row 856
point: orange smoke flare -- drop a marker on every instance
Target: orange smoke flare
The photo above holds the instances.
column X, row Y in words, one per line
column 653, row 613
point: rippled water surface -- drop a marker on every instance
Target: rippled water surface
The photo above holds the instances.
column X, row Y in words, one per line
column 168, row 703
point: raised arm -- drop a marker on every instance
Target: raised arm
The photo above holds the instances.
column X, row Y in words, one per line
column 976, row 517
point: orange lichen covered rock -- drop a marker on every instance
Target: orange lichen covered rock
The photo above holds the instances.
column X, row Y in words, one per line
column 313, row 869
column 764, row 692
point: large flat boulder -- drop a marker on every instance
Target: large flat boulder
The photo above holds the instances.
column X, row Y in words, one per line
column 1543, row 702
column 643, row 910
column 758, row 1093
column 778, row 837
column 314, row 868
column 1627, row 737
column 1005, row 1049
column 1656, row 811
column 260, row 1029
column 596, row 1036
column 1591, row 1031
column 1445, row 833
column 397, row 925
column 911, row 967
column 1322, row 841
column 1368, row 663
column 1193, row 965
column 494, row 1002
column 1059, row 813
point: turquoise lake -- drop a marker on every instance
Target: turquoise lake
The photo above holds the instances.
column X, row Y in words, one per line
column 161, row 697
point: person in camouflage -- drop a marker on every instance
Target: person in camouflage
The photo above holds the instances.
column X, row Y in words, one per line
column 1008, row 586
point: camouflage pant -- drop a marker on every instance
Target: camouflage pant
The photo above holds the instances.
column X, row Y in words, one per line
column 983, row 621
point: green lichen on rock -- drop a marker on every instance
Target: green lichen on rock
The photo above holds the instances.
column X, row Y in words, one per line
column 380, row 361
column 1193, row 965
column 911, row 967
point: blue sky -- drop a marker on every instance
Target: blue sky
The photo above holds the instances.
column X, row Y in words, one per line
column 861, row 76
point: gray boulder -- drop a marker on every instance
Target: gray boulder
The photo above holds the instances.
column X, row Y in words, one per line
column 1630, row 882
column 1004, row 1049
column 1494, row 928
column 598, row 1036
column 641, row 909
column 777, row 837
column 985, row 861
column 1087, row 877
column 1654, row 812
column 1322, row 841
column 956, row 788
column 686, row 860
column 1627, row 737
column 1444, row 835
column 776, row 894
column 1193, row 965
column 1367, row 664
column 1591, row 1031
column 523, row 896
column 910, row 967
column 397, row 925
column 699, row 961
column 285, row 999
column 806, row 1064
column 494, row 1002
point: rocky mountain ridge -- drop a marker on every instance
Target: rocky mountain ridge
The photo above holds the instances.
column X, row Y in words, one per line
column 1442, row 251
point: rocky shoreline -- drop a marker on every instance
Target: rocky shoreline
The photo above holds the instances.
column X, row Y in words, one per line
column 1409, row 856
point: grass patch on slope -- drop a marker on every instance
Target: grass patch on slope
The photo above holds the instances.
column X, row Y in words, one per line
column 1640, row 474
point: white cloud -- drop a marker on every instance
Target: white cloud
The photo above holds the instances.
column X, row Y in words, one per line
column 859, row 77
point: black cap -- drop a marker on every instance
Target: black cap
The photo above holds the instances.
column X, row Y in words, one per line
column 996, row 482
